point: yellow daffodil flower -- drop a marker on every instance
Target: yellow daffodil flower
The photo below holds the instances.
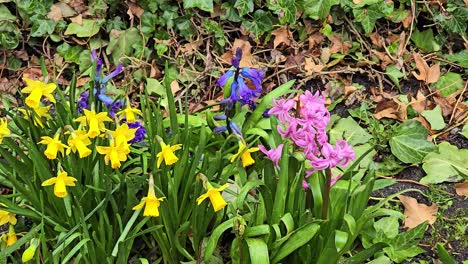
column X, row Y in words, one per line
column 246, row 158
column 54, row 145
column 114, row 153
column 78, row 141
column 167, row 153
column 7, row 217
column 129, row 113
column 60, row 183
column 123, row 134
column 4, row 131
column 151, row 202
column 95, row 122
column 214, row 194
column 37, row 89
column 40, row 111
column 10, row 238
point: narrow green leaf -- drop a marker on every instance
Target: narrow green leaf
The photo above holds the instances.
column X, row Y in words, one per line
column 214, row 237
column 299, row 238
column 258, row 250
column 443, row 254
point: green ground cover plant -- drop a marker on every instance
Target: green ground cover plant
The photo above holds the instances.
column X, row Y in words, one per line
column 240, row 131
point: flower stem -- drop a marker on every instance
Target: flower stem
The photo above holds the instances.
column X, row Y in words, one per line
column 326, row 193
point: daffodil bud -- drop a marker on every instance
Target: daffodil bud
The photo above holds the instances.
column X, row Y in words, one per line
column 28, row 254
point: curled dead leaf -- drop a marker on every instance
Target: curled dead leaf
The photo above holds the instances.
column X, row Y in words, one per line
column 134, row 10
column 282, row 35
column 462, row 188
column 416, row 213
column 419, row 103
column 315, row 39
column 244, row 45
column 426, row 73
column 311, row 67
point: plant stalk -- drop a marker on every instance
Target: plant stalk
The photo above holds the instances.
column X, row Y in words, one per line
column 326, row 194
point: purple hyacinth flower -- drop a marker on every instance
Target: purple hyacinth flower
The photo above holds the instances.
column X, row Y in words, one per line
column 114, row 73
column 220, row 117
column 139, row 134
column 83, row 102
column 273, row 154
column 97, row 76
column 237, row 58
column 94, row 55
column 256, row 76
column 220, row 129
column 235, row 128
column 115, row 107
column 224, row 78
column 105, row 99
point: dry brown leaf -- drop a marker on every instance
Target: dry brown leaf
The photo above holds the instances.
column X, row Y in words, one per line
column 419, row 103
column 315, row 39
column 191, row 47
column 244, row 45
column 384, row 58
column 349, row 90
column 82, row 81
column 393, row 109
column 407, row 21
column 462, row 188
column 282, row 35
column 426, row 73
column 426, row 124
column 59, row 11
column 446, row 106
column 78, row 5
column 311, row 67
column 134, row 10
column 338, row 45
column 78, row 19
column 175, row 87
column 376, row 39
column 416, row 213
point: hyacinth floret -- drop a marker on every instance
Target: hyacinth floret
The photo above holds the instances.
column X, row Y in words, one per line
column 240, row 92
column 307, row 129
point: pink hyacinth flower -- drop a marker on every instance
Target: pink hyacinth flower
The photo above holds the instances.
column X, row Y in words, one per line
column 273, row 154
column 281, row 109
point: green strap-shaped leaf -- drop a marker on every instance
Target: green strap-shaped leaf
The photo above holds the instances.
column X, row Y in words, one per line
column 213, row 240
column 258, row 251
column 299, row 238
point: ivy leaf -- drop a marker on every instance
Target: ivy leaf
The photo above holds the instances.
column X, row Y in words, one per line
column 448, row 164
column 260, row 24
column 465, row 131
column 88, row 28
column 205, row 5
column 394, row 74
column 244, row 6
column 459, row 58
column 349, row 130
column 121, row 43
column 449, row 83
column 42, row 27
column 455, row 20
column 318, row 9
column 69, row 53
column 434, row 117
column 409, row 143
column 425, row 40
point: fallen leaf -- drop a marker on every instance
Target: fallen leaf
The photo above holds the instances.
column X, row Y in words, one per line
column 416, row 213
column 357, row 2
column 419, row 103
column 78, row 19
column 247, row 59
column 311, row 67
column 376, row 39
column 394, row 109
column 338, row 45
column 134, row 9
column 383, row 57
column 82, row 81
column 407, row 21
column 282, row 35
column 462, row 188
column 175, row 87
column 62, row 10
column 444, row 103
column 315, row 39
column 191, row 47
column 426, row 73
column 78, row 5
